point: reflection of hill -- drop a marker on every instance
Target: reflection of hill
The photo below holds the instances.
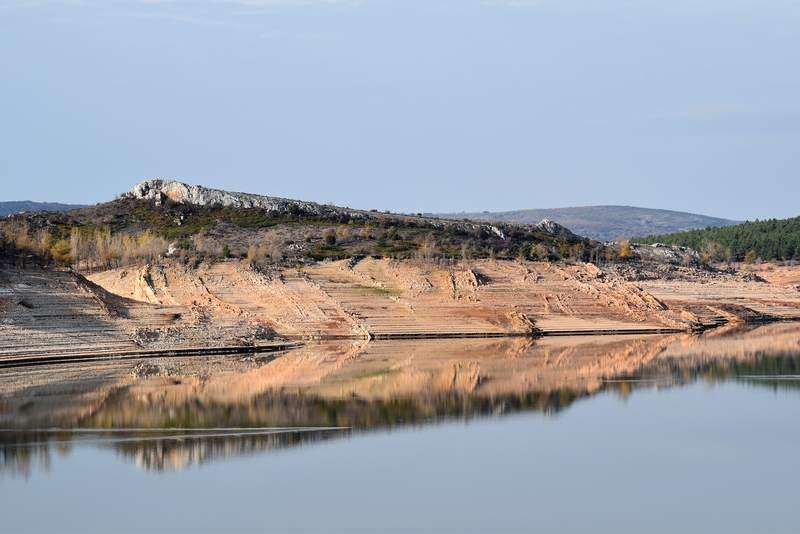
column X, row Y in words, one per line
column 359, row 386
column 172, row 449
column 22, row 452
column 780, row 370
column 165, row 450
column 170, row 454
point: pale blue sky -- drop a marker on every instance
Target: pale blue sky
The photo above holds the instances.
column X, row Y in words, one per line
column 408, row 105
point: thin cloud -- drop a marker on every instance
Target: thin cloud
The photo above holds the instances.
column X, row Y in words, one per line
column 194, row 12
column 290, row 3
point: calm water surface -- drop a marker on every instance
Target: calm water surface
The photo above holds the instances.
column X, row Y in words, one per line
column 684, row 439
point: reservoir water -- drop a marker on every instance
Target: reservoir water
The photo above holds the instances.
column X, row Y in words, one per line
column 649, row 434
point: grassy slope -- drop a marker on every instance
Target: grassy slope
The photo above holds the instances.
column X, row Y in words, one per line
column 380, row 234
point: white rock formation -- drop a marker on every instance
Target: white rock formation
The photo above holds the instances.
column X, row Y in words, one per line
column 160, row 190
column 551, row 227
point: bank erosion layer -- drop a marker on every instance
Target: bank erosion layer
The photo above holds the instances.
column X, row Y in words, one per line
column 176, row 305
column 171, row 268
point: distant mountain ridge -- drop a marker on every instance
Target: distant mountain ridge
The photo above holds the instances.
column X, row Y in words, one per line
column 605, row 222
column 19, row 206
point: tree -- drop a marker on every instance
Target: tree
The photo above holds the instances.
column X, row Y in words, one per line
column 624, row 251
column 257, row 254
column 77, row 247
column 577, row 252
column 525, row 251
column 465, row 251
column 343, row 232
column 391, row 233
column 61, row 251
column 427, row 248
column 710, row 251
column 563, row 250
column 540, row 251
column 770, row 239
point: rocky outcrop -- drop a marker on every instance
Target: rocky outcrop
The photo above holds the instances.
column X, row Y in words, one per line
column 666, row 254
column 549, row 226
column 160, row 191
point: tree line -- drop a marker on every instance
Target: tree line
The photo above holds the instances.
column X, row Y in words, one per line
column 86, row 246
column 773, row 239
column 83, row 248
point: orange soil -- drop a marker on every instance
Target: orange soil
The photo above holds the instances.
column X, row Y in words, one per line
column 171, row 305
column 392, row 298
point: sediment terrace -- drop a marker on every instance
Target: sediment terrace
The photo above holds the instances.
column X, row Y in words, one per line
column 172, row 306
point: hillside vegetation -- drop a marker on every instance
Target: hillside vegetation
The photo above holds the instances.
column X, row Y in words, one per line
column 203, row 223
column 605, row 222
column 774, row 239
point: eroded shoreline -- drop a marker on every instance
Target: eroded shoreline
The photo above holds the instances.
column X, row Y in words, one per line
column 174, row 308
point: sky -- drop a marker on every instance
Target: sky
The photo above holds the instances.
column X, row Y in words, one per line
column 408, row 105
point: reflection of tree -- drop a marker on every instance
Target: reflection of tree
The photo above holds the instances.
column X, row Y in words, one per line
column 175, row 448
column 173, row 454
column 776, row 371
column 283, row 410
column 194, row 432
column 23, row 452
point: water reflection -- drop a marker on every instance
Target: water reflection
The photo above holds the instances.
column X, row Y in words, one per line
column 174, row 413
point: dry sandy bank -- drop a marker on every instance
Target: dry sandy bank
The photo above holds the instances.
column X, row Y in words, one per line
column 172, row 305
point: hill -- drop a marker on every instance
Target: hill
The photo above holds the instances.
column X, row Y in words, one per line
column 20, row 206
column 774, row 239
column 174, row 267
column 605, row 222
column 160, row 217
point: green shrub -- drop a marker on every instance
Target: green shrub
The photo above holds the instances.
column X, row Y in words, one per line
column 61, row 251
